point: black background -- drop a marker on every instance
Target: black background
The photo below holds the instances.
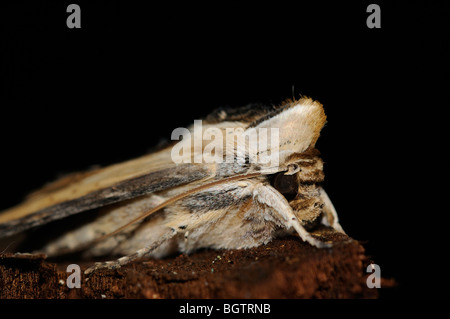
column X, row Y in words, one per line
column 107, row 92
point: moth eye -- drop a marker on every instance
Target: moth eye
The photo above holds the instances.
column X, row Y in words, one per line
column 287, row 185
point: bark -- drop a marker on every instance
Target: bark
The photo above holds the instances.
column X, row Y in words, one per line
column 284, row 268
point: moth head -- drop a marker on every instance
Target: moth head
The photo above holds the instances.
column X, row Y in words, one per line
column 300, row 186
column 299, row 167
column 294, row 129
column 302, row 172
column 287, row 185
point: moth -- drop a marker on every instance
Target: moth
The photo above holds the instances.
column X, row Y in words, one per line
column 152, row 206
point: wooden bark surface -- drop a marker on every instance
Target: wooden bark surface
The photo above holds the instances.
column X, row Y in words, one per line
column 284, row 268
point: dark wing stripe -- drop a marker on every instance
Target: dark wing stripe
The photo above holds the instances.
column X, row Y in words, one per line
column 131, row 188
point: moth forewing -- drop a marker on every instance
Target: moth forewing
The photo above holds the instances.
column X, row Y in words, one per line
column 24, row 216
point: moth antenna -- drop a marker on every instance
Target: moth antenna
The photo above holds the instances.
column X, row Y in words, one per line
column 7, row 247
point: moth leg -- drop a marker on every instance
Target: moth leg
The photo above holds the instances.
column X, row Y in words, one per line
column 282, row 211
column 330, row 217
column 114, row 264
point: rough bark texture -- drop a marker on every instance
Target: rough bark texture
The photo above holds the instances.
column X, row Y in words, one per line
column 285, row 268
